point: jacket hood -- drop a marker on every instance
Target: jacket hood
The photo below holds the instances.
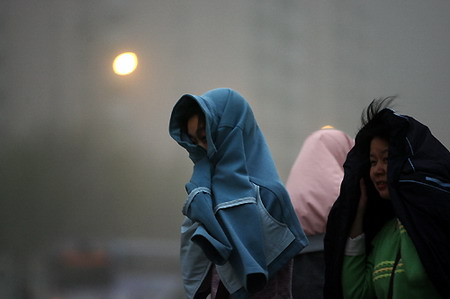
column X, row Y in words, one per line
column 314, row 180
column 212, row 111
column 232, row 133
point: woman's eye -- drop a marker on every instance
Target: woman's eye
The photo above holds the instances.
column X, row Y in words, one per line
column 373, row 162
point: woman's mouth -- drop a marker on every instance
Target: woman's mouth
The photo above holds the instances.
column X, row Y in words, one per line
column 381, row 185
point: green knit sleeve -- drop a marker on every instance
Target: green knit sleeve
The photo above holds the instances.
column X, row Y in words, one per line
column 357, row 277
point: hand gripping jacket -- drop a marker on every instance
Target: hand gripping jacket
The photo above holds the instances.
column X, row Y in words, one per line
column 238, row 213
column 419, row 187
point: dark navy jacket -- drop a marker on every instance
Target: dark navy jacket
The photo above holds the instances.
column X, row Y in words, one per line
column 238, row 213
column 419, row 187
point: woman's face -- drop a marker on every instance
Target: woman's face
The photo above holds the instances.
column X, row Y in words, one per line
column 197, row 132
column 379, row 149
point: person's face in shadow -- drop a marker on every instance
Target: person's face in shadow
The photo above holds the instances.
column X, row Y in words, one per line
column 379, row 150
column 197, row 132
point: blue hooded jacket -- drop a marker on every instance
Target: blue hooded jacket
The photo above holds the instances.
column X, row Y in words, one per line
column 238, row 213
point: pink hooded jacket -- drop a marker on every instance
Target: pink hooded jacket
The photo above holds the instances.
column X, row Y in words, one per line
column 315, row 178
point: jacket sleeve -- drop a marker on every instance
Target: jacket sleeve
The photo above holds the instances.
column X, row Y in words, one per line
column 199, row 208
column 356, row 277
column 357, row 270
column 237, row 211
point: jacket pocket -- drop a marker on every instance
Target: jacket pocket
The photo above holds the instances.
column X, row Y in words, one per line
column 277, row 235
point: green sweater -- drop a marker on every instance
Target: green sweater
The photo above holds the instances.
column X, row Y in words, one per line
column 368, row 276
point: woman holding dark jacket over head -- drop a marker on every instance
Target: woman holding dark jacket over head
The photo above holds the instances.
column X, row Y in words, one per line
column 240, row 232
column 388, row 233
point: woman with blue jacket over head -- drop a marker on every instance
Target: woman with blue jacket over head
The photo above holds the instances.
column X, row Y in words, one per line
column 240, row 231
column 388, row 233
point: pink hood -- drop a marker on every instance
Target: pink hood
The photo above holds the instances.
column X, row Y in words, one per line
column 315, row 178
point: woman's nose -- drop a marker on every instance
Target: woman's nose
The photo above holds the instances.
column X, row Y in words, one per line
column 380, row 168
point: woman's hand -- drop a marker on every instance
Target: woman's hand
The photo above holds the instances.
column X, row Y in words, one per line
column 357, row 226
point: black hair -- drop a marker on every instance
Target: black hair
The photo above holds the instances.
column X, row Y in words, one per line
column 372, row 122
column 371, row 111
